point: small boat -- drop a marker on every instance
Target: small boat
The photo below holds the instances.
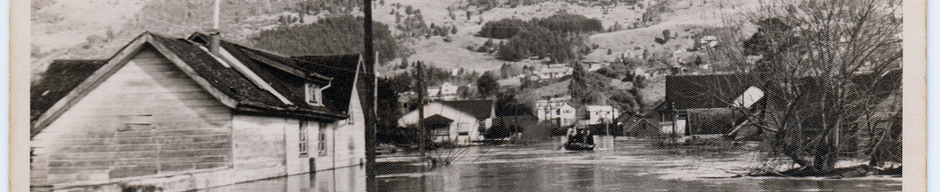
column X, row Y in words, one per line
column 580, row 139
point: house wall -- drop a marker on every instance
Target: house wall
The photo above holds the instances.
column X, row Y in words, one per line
column 148, row 118
column 345, row 140
column 597, row 114
column 462, row 121
column 565, row 113
column 259, row 146
column 349, row 148
column 670, row 123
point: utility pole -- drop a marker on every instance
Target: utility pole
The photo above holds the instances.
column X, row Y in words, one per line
column 420, row 90
column 367, row 90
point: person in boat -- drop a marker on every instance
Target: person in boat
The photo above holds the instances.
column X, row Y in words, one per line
column 586, row 137
column 578, row 137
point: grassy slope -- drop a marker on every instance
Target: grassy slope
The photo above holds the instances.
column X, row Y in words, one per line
column 61, row 29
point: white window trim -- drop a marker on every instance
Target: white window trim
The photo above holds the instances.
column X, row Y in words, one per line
column 304, row 133
column 314, row 95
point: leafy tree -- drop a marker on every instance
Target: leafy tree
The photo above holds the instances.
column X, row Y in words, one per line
column 487, row 85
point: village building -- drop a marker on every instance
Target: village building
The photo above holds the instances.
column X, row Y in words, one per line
column 461, row 122
column 434, row 93
column 185, row 114
column 448, row 91
column 600, row 114
column 704, row 104
column 637, row 125
column 554, row 71
column 556, row 110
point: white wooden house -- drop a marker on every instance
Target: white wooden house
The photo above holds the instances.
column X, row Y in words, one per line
column 598, row 114
column 183, row 114
column 556, row 110
column 461, row 122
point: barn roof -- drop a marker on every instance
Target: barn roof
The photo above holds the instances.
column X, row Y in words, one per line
column 705, row 91
column 66, row 80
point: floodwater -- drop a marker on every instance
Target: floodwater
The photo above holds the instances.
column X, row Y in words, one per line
column 623, row 165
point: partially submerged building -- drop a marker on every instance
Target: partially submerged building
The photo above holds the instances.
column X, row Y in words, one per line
column 461, row 122
column 705, row 104
column 184, row 114
column 555, row 109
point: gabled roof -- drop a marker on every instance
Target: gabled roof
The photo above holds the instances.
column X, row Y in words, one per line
column 481, row 109
column 705, row 91
column 436, row 119
column 267, row 86
column 61, row 77
column 343, row 69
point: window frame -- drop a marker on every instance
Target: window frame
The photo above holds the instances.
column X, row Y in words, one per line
column 303, row 133
column 312, row 94
column 321, row 140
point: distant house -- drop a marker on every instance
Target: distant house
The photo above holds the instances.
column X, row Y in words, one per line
column 637, row 125
column 448, row 91
column 600, row 114
column 434, row 92
column 556, row 110
column 524, row 124
column 461, row 122
column 554, row 71
column 184, row 114
column 703, row 104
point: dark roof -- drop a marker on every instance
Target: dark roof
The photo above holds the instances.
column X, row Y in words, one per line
column 477, row 108
column 705, row 91
column 342, row 68
column 225, row 79
column 60, row 78
column 64, row 75
column 436, row 119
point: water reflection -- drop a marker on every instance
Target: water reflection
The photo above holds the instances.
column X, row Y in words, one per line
column 343, row 179
column 627, row 167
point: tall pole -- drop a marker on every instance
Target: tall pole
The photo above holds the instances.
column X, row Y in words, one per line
column 368, row 59
column 215, row 16
column 420, row 90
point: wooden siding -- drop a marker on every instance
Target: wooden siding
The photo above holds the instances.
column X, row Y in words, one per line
column 462, row 121
column 147, row 118
column 259, row 143
column 350, row 138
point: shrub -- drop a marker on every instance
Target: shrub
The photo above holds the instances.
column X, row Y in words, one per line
column 659, row 40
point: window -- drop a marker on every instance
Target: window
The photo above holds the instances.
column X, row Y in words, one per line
column 313, row 95
column 302, row 133
column 321, row 140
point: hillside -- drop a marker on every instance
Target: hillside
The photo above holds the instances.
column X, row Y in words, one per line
column 95, row 29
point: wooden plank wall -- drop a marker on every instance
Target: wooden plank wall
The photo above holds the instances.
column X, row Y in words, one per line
column 260, row 146
column 349, row 139
column 147, row 118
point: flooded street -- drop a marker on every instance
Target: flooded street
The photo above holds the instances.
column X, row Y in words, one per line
column 632, row 165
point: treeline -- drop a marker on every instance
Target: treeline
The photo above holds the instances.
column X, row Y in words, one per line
column 329, row 35
column 558, row 37
column 561, row 23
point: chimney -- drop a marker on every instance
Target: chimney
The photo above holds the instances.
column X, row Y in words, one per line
column 214, row 41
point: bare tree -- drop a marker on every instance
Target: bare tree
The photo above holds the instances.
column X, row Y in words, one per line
column 826, row 67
